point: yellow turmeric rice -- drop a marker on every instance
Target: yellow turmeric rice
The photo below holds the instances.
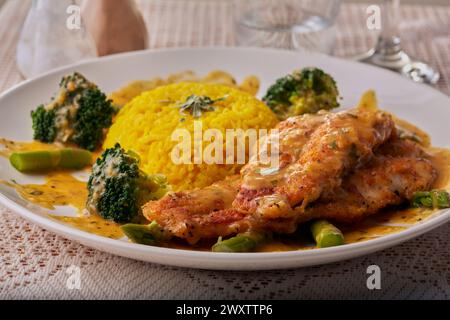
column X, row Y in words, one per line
column 146, row 124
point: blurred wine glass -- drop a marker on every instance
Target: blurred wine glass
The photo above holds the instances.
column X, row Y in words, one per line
column 287, row 24
column 46, row 42
column 388, row 52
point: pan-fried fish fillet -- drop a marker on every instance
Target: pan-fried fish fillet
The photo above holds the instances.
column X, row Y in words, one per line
column 385, row 182
column 400, row 168
column 208, row 212
column 201, row 213
column 342, row 143
column 346, row 185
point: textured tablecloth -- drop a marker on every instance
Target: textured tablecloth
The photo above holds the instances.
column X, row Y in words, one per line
column 33, row 262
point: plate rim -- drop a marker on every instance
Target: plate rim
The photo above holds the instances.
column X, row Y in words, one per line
column 192, row 258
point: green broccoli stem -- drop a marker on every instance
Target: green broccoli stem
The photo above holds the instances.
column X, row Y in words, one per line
column 241, row 243
column 435, row 199
column 150, row 234
column 35, row 161
column 326, row 235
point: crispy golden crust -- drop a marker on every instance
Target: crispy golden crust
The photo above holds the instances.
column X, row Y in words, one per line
column 202, row 213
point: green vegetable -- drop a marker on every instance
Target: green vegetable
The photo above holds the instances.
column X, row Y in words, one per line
column 118, row 188
column 305, row 91
column 435, row 199
column 239, row 243
column 35, row 161
column 198, row 104
column 44, row 124
column 326, row 235
column 150, row 234
column 78, row 114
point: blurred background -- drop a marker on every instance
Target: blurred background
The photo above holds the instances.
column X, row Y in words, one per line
column 436, row 2
column 432, row 2
column 39, row 39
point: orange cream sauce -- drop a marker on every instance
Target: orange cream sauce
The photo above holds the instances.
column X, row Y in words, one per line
column 9, row 146
column 93, row 224
column 62, row 189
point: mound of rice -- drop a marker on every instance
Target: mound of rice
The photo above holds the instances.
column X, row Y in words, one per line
column 145, row 126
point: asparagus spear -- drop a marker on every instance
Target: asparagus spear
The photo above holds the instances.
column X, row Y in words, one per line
column 50, row 159
column 326, row 234
column 150, row 234
column 240, row 243
column 435, row 199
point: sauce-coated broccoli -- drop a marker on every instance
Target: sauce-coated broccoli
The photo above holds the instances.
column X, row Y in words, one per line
column 118, row 188
column 305, row 91
column 78, row 115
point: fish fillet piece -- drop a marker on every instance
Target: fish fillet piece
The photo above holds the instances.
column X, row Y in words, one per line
column 201, row 213
column 208, row 212
column 293, row 134
column 390, row 175
column 343, row 142
column 387, row 181
column 398, row 168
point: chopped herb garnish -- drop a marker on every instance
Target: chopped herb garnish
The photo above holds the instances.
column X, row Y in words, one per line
column 435, row 199
column 198, row 104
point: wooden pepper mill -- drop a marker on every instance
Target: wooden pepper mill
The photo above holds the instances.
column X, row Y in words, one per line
column 115, row 25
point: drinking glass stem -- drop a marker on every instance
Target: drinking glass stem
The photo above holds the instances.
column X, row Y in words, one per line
column 390, row 13
column 388, row 52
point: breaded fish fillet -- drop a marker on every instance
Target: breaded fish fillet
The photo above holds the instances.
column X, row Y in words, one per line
column 343, row 142
column 365, row 170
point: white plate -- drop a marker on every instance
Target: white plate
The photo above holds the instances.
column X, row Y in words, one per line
column 419, row 104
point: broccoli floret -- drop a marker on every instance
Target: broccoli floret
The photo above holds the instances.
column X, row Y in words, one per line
column 305, row 91
column 77, row 115
column 43, row 124
column 118, row 188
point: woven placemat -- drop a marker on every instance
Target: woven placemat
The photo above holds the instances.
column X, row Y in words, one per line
column 34, row 262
